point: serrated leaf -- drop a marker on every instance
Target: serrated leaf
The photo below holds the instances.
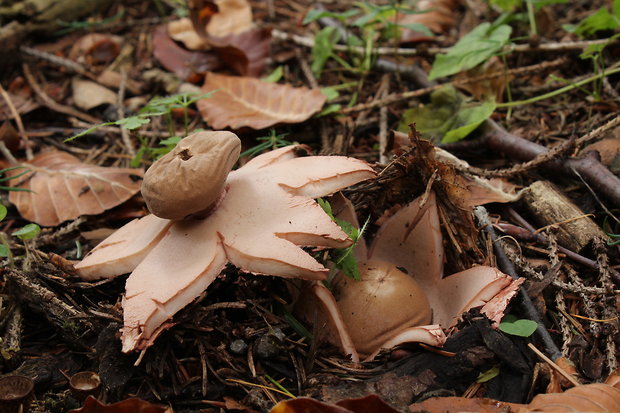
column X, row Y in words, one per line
column 472, row 49
column 515, row 326
column 134, row 122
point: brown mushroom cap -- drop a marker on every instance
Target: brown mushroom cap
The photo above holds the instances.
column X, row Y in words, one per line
column 191, row 178
column 382, row 304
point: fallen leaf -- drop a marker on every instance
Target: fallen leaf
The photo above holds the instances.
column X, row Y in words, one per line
column 62, row 188
column 245, row 51
column 88, row 94
column 245, row 101
column 232, row 17
column 436, row 15
column 267, row 212
column 96, row 49
column 21, row 104
column 133, row 405
column 367, row 404
column 595, row 397
column 188, row 65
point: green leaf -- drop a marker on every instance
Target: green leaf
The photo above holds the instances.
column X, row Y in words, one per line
column 417, row 27
column 448, row 118
column 314, row 15
column 472, row 49
column 27, row 232
column 601, row 20
column 323, row 48
column 3, row 212
column 274, row 76
column 506, row 5
column 488, row 375
column 4, row 251
column 133, row 122
column 517, row 327
column 470, row 117
column 348, row 264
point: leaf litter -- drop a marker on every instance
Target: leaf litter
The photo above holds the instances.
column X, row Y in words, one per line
column 240, row 344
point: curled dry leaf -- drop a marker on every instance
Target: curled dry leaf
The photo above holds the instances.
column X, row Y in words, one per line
column 266, row 213
column 232, row 17
column 245, row 101
column 244, row 49
column 438, row 16
column 133, row 405
column 62, row 188
column 96, row 49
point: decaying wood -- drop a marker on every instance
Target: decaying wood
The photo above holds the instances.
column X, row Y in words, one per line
column 67, row 319
column 40, row 16
column 575, row 230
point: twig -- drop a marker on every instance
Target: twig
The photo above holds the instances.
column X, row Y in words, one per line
column 18, row 120
column 507, row 267
column 415, row 72
column 383, row 119
column 51, row 103
column 121, row 114
column 554, row 366
column 308, row 41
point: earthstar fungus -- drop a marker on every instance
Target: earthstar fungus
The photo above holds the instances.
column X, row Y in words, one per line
column 266, row 211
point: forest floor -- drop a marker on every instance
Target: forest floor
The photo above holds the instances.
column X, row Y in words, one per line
column 531, row 104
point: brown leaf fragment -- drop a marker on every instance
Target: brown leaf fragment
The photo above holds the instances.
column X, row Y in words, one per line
column 133, row 405
column 188, row 65
column 244, row 48
column 62, row 188
column 245, row 101
column 367, row 404
column 436, row 15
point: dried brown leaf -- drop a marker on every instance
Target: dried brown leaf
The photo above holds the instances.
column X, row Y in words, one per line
column 63, row 188
column 245, row 101
column 245, row 51
column 368, row 404
column 439, row 17
column 595, row 397
column 188, row 65
column 133, row 405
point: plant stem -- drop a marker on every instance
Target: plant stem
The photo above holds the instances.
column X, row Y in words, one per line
column 532, row 18
column 557, row 91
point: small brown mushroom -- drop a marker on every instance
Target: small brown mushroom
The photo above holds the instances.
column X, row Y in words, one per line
column 84, row 384
column 382, row 304
column 16, row 393
column 190, row 179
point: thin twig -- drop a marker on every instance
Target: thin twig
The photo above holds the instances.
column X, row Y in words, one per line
column 508, row 267
column 554, row 366
column 51, row 103
column 18, row 120
column 308, row 41
column 121, row 114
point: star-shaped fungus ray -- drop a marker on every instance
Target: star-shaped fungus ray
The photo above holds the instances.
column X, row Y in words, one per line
column 265, row 215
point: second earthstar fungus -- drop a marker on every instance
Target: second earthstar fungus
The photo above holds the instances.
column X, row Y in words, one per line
column 265, row 213
column 402, row 288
